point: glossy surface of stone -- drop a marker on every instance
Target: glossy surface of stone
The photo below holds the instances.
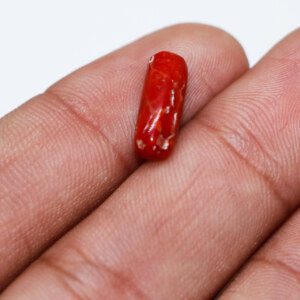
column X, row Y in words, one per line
column 161, row 106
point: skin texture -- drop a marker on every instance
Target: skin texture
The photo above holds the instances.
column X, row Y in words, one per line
column 176, row 229
column 65, row 151
column 273, row 273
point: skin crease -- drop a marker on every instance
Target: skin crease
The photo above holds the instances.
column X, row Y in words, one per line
column 273, row 273
column 181, row 228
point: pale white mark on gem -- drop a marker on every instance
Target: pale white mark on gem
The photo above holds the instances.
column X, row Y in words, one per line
column 172, row 98
column 162, row 143
column 167, row 109
column 151, row 139
column 175, row 119
column 154, row 147
column 154, row 121
column 140, row 144
column 151, row 59
column 165, row 145
column 170, row 136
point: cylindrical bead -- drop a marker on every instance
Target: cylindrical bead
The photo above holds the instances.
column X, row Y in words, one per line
column 161, row 106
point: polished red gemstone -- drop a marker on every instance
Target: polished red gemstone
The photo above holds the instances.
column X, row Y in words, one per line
column 161, row 106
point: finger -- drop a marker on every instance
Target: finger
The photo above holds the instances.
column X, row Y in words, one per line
column 273, row 273
column 64, row 151
column 180, row 228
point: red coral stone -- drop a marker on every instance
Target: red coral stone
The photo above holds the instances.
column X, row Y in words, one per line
column 161, row 106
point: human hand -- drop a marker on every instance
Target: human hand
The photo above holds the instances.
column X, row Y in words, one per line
column 175, row 229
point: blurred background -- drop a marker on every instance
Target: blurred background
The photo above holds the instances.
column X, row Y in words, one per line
column 42, row 41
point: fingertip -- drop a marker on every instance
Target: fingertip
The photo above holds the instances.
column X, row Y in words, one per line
column 189, row 35
column 288, row 46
